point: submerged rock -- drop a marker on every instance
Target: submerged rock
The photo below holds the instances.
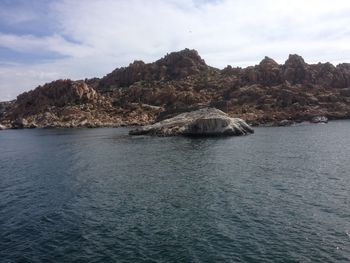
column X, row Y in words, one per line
column 319, row 119
column 202, row 122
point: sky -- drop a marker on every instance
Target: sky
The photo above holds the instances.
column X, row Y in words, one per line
column 43, row 40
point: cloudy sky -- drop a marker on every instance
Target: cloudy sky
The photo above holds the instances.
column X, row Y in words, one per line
column 43, row 40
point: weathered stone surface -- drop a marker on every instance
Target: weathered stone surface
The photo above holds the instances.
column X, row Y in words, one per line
column 202, row 122
column 2, row 127
column 58, row 93
column 295, row 69
column 20, row 123
column 175, row 65
column 285, row 123
column 70, row 104
column 319, row 119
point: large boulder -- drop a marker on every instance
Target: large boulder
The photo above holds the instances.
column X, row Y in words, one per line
column 202, row 122
column 295, row 69
column 269, row 72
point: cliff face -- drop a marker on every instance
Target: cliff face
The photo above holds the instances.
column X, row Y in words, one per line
column 142, row 93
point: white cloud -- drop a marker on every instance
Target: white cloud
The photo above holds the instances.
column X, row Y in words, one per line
column 16, row 15
column 15, row 80
column 54, row 43
column 110, row 33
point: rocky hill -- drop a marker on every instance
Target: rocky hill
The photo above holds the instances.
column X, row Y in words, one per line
column 67, row 103
column 267, row 93
column 173, row 66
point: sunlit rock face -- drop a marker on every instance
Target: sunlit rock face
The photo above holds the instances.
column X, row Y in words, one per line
column 202, row 122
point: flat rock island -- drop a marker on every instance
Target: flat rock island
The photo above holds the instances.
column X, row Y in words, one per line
column 202, row 122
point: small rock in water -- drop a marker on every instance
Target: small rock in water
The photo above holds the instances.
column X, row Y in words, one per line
column 319, row 119
column 202, row 122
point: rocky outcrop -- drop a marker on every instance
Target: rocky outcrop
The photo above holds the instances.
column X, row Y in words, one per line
column 70, row 104
column 58, row 93
column 294, row 70
column 202, row 122
column 175, row 65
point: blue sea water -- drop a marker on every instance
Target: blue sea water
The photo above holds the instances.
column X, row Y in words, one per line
column 98, row 195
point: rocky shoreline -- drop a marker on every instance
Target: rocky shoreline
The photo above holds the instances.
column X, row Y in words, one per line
column 24, row 124
column 267, row 94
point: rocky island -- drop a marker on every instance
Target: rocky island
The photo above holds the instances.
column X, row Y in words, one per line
column 202, row 122
column 144, row 93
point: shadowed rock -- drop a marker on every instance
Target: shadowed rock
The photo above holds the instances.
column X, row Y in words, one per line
column 20, row 123
column 203, row 122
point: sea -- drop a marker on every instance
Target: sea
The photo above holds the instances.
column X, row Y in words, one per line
column 100, row 195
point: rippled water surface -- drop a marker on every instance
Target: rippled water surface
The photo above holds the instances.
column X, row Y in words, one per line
column 98, row 195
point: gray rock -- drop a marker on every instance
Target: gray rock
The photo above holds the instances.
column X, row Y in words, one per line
column 345, row 92
column 83, row 123
column 20, row 123
column 319, row 119
column 285, row 123
column 2, row 127
column 202, row 122
column 32, row 125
